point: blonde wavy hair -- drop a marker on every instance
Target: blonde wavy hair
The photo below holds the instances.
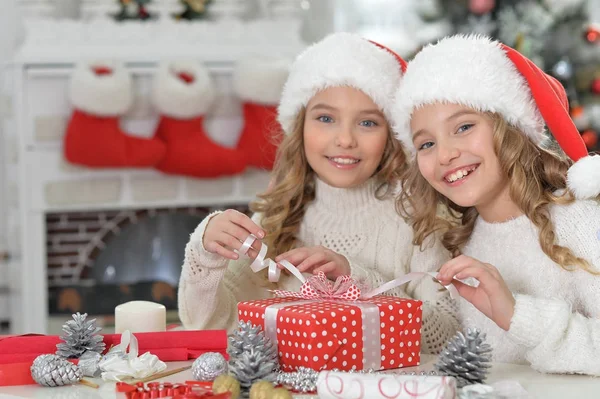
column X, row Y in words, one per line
column 536, row 178
column 292, row 186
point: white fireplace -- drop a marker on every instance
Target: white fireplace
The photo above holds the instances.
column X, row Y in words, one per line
column 44, row 184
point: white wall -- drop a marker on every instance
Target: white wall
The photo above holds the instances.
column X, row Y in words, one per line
column 11, row 35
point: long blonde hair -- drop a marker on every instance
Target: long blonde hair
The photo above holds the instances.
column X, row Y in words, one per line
column 292, row 186
column 536, row 178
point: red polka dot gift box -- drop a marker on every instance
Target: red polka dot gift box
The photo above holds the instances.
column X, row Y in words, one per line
column 382, row 332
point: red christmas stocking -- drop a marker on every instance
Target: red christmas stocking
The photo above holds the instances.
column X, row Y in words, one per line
column 182, row 93
column 100, row 94
column 258, row 83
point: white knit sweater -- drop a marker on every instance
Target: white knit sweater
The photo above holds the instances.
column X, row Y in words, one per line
column 556, row 324
column 352, row 222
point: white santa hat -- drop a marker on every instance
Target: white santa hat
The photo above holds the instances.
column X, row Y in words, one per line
column 341, row 59
column 488, row 76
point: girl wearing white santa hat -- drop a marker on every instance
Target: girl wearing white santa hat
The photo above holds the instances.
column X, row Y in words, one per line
column 527, row 243
column 330, row 206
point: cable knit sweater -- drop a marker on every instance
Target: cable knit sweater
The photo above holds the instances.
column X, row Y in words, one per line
column 556, row 324
column 352, row 222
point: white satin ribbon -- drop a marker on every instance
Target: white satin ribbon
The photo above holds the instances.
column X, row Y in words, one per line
column 406, row 279
column 121, row 362
column 260, row 263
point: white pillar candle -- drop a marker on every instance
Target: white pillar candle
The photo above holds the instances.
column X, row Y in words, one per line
column 140, row 316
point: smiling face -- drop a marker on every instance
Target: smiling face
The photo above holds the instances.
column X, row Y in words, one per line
column 345, row 135
column 455, row 154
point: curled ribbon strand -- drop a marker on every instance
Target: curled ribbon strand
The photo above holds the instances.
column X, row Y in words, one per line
column 260, row 262
column 319, row 287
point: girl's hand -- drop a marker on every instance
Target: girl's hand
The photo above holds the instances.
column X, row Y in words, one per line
column 227, row 232
column 317, row 259
column 492, row 297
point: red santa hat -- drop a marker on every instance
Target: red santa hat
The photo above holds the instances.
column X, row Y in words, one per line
column 489, row 76
column 341, row 59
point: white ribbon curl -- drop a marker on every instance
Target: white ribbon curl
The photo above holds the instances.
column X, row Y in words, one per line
column 122, row 361
column 260, row 262
column 274, row 272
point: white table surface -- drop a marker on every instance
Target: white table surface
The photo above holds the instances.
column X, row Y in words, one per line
column 542, row 386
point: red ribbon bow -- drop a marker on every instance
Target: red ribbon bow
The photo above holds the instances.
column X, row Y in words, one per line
column 188, row 390
column 319, row 287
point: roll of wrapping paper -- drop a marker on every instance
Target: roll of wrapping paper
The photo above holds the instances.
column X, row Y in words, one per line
column 335, row 385
column 17, row 352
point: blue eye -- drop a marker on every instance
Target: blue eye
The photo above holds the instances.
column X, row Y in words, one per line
column 465, row 127
column 368, row 123
column 426, row 145
column 325, row 119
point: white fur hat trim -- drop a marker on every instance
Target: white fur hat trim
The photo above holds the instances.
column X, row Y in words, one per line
column 470, row 70
column 102, row 93
column 583, row 177
column 341, row 59
column 260, row 79
column 175, row 97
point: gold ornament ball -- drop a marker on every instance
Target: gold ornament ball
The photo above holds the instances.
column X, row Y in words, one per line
column 226, row 383
column 281, row 393
column 261, row 390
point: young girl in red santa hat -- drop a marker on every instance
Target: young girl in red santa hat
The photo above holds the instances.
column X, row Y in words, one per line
column 330, row 207
column 527, row 238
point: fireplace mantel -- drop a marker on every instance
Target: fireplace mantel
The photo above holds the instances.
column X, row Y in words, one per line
column 48, row 184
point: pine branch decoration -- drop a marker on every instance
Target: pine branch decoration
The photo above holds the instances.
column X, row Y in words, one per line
column 466, row 357
column 80, row 335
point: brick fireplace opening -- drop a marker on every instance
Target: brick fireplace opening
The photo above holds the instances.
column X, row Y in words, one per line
column 99, row 259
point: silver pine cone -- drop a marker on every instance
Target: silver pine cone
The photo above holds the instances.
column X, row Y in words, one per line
column 466, row 357
column 251, row 366
column 249, row 336
column 54, row 371
column 80, row 335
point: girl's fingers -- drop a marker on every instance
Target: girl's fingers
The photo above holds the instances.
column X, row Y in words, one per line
column 493, row 271
column 295, row 257
column 282, row 256
column 475, row 295
column 286, row 254
column 487, row 282
column 252, row 253
column 313, row 260
column 448, row 272
column 236, row 231
column 228, row 240
column 293, row 254
column 464, row 290
column 327, row 268
column 224, row 252
column 454, row 261
column 246, row 223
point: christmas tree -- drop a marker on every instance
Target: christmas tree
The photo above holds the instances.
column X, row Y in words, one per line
column 560, row 36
